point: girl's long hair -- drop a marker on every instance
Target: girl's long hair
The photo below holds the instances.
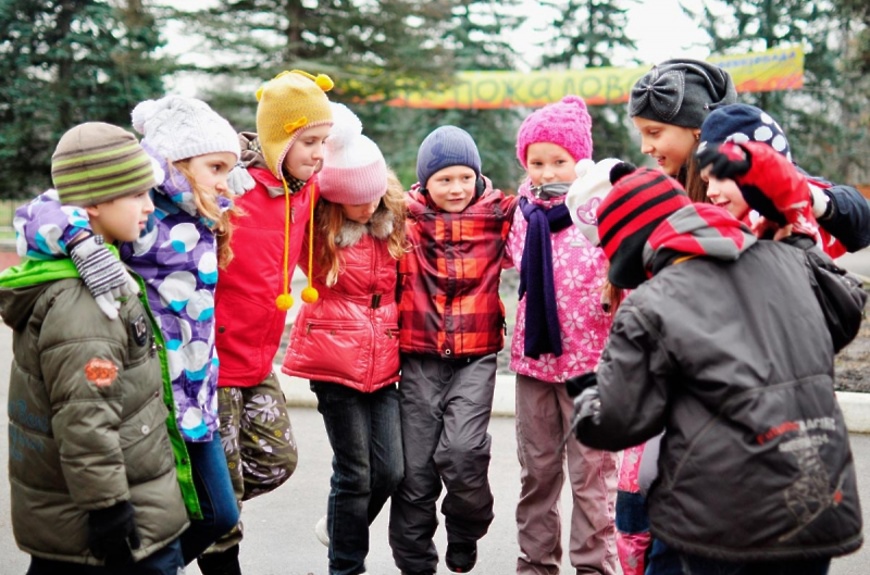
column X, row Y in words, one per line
column 690, row 177
column 208, row 208
column 330, row 221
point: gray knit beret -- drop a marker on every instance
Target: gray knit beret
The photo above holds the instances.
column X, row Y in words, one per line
column 444, row 147
column 681, row 92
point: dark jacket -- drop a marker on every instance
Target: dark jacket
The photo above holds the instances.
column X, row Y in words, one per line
column 734, row 361
column 849, row 216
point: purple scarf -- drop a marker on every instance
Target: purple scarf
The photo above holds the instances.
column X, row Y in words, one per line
column 536, row 278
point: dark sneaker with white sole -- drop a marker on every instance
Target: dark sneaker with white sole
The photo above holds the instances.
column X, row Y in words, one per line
column 461, row 557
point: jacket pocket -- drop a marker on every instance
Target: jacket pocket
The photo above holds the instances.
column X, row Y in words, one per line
column 333, row 350
column 145, row 442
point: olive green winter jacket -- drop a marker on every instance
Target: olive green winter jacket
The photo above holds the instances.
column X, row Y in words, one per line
column 87, row 419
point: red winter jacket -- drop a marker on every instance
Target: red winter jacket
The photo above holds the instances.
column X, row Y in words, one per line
column 350, row 334
column 248, row 323
column 450, row 306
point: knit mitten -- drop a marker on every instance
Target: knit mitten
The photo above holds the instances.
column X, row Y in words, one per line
column 112, row 534
column 239, row 181
column 103, row 273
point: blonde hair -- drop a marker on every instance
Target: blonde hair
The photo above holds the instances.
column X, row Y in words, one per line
column 209, row 209
column 330, row 220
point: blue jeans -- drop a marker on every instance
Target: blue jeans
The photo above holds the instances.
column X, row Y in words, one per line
column 165, row 561
column 220, row 510
column 694, row 565
column 365, row 433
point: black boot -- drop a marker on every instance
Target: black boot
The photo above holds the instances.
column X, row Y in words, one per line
column 221, row 563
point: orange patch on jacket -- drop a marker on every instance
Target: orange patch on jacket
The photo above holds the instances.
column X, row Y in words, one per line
column 101, row 372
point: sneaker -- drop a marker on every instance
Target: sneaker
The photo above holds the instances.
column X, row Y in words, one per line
column 461, row 557
column 321, row 532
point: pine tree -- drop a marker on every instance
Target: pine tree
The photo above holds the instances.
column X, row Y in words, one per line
column 370, row 49
column 818, row 119
column 587, row 33
column 62, row 63
column 477, row 34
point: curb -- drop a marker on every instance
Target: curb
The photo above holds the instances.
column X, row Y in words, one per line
column 855, row 406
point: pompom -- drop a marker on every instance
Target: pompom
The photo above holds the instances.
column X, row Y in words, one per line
column 582, row 167
column 324, row 82
column 346, row 126
column 576, row 100
column 621, row 169
column 143, row 112
column 310, row 295
column 259, row 93
column 284, row 301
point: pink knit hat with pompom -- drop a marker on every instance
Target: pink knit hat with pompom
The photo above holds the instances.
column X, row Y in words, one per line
column 354, row 170
column 565, row 123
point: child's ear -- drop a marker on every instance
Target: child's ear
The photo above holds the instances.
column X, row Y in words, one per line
column 93, row 211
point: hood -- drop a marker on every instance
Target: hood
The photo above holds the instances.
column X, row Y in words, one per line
column 697, row 230
column 424, row 202
column 22, row 285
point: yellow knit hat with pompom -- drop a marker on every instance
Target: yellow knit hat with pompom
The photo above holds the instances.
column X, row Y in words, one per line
column 288, row 103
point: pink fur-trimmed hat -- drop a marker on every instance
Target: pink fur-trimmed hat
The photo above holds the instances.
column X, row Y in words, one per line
column 565, row 123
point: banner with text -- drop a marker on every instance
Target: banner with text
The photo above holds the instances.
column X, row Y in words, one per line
column 775, row 69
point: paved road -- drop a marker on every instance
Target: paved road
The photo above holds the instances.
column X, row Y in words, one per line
column 279, row 536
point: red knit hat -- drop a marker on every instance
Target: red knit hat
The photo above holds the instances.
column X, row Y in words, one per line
column 639, row 201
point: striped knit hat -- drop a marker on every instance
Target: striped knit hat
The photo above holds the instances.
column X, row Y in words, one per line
column 96, row 162
column 639, row 201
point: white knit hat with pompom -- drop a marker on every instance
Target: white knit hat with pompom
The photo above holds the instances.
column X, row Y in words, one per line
column 586, row 194
column 354, row 170
column 177, row 128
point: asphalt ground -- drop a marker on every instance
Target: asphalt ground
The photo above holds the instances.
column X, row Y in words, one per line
column 279, row 532
column 279, row 536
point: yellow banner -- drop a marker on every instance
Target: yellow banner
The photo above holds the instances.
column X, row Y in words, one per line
column 775, row 69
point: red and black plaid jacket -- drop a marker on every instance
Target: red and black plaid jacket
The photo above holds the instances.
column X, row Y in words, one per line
column 449, row 303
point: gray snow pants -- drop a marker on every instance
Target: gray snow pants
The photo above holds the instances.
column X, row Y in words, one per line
column 446, row 407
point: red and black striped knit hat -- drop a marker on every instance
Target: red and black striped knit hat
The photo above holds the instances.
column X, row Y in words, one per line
column 639, row 201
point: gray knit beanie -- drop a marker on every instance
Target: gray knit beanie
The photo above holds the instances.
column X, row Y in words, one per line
column 444, row 147
column 681, row 92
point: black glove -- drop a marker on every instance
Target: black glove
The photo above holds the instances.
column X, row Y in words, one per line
column 587, row 403
column 587, row 406
column 112, row 534
column 727, row 161
column 574, row 385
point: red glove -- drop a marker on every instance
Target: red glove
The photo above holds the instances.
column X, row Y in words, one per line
column 770, row 184
column 776, row 179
